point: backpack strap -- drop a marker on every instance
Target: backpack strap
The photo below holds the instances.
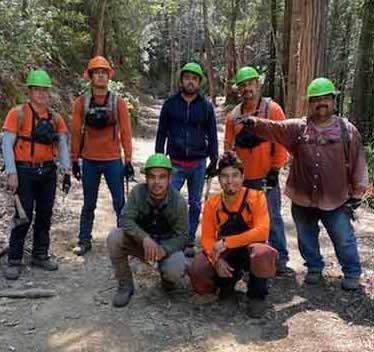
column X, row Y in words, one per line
column 345, row 139
column 243, row 205
column 113, row 106
column 20, row 118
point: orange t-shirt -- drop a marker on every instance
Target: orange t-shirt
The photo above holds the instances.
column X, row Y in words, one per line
column 257, row 219
column 22, row 148
column 257, row 161
column 101, row 144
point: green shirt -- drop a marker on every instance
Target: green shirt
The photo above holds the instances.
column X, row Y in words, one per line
column 139, row 203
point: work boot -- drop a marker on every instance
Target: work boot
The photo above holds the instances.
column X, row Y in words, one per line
column 351, row 283
column 227, row 292
column 257, row 307
column 168, row 286
column 281, row 267
column 313, row 278
column 13, row 270
column 189, row 251
column 82, row 248
column 44, row 263
column 124, row 293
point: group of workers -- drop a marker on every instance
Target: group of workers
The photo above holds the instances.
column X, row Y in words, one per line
column 241, row 228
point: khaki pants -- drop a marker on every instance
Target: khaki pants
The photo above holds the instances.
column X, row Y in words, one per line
column 121, row 245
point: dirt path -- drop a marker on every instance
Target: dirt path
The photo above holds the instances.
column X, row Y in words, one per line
column 80, row 317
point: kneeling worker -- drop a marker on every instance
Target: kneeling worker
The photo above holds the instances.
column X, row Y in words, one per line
column 235, row 229
column 153, row 227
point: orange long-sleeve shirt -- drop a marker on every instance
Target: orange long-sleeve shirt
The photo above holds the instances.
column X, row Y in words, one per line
column 257, row 161
column 257, row 220
column 22, row 148
column 99, row 144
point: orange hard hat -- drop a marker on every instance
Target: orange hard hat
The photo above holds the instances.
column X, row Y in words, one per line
column 98, row 62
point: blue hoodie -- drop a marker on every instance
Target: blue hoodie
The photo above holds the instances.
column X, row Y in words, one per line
column 190, row 129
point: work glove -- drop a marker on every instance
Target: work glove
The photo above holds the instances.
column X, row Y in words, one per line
column 128, row 171
column 350, row 206
column 66, row 183
column 272, row 178
column 246, row 120
column 77, row 170
column 353, row 203
column 211, row 170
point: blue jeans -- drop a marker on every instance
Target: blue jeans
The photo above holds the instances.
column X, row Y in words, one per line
column 195, row 183
column 277, row 237
column 91, row 176
column 340, row 230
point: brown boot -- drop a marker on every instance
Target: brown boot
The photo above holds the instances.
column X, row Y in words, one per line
column 124, row 293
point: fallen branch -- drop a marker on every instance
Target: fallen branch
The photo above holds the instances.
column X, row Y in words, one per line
column 28, row 293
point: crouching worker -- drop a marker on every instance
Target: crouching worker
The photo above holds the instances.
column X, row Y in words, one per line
column 153, row 227
column 235, row 229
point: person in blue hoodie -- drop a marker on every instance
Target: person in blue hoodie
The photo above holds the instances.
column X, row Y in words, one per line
column 188, row 123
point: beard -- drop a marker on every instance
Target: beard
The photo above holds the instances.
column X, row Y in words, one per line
column 189, row 89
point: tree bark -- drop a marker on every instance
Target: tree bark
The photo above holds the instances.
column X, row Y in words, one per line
column 363, row 88
column 231, row 54
column 270, row 77
column 173, row 80
column 99, row 46
column 209, row 56
column 306, row 51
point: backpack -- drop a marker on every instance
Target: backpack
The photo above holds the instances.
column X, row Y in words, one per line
column 44, row 139
column 245, row 138
column 111, row 105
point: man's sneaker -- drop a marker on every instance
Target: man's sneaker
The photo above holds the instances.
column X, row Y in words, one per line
column 189, row 251
column 313, row 278
column 123, row 295
column 351, row 283
column 13, row 270
column 82, row 248
column 257, row 308
column 44, row 263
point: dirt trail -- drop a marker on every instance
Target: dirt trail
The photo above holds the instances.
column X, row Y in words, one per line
column 80, row 317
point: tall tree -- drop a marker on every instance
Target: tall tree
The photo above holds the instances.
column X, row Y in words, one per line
column 99, row 46
column 363, row 91
column 209, row 55
column 307, row 44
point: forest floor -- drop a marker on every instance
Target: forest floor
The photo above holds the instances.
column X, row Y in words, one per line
column 80, row 316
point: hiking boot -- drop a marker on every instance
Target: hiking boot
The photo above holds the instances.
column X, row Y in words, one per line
column 313, row 278
column 13, row 270
column 351, row 283
column 168, row 286
column 281, row 268
column 257, row 308
column 123, row 295
column 226, row 293
column 189, row 251
column 44, row 263
column 82, row 248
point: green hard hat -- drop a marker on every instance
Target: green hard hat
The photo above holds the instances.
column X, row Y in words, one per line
column 39, row 78
column 158, row 160
column 319, row 87
column 246, row 73
column 194, row 68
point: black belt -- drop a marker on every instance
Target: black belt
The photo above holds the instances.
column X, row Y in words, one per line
column 36, row 165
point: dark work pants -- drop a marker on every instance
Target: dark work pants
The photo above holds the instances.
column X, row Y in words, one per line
column 36, row 190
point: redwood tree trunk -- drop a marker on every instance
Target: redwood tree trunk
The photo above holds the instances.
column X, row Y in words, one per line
column 99, row 46
column 363, row 88
column 209, row 56
column 306, row 51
